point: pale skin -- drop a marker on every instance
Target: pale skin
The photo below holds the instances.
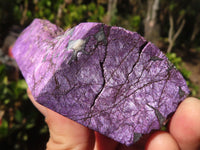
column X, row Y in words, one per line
column 184, row 132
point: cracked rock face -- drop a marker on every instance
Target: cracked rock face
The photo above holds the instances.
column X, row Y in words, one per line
column 105, row 78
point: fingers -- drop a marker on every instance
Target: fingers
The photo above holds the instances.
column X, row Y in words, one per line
column 161, row 141
column 185, row 124
column 65, row 134
column 184, row 129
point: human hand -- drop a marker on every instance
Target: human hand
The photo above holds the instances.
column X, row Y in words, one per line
column 184, row 132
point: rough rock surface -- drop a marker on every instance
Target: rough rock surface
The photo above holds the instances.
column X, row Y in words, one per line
column 105, row 78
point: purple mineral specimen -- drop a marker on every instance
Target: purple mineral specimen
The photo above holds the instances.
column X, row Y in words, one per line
column 105, row 78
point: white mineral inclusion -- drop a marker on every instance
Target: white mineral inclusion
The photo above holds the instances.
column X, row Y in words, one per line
column 100, row 36
column 76, row 45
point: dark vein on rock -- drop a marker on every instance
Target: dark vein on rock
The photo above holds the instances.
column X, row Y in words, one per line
column 140, row 51
column 142, row 46
column 103, row 85
column 101, row 63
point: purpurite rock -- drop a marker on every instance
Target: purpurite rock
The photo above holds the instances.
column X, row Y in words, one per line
column 106, row 78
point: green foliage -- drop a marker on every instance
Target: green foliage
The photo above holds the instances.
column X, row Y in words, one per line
column 95, row 12
column 72, row 14
column 178, row 63
column 46, row 9
column 17, row 11
column 4, row 128
column 19, row 115
column 135, row 22
column 172, row 6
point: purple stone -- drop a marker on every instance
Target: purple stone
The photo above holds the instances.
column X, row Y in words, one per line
column 106, row 78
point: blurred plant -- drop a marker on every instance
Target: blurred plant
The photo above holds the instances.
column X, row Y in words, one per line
column 135, row 22
column 74, row 14
column 18, row 116
column 45, row 9
column 95, row 12
column 71, row 14
column 178, row 63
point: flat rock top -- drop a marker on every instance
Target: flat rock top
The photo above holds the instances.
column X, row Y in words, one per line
column 106, row 78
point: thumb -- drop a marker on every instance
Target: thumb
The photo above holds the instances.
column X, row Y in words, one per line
column 65, row 134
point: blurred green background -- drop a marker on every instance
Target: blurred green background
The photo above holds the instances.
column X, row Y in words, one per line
column 174, row 26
